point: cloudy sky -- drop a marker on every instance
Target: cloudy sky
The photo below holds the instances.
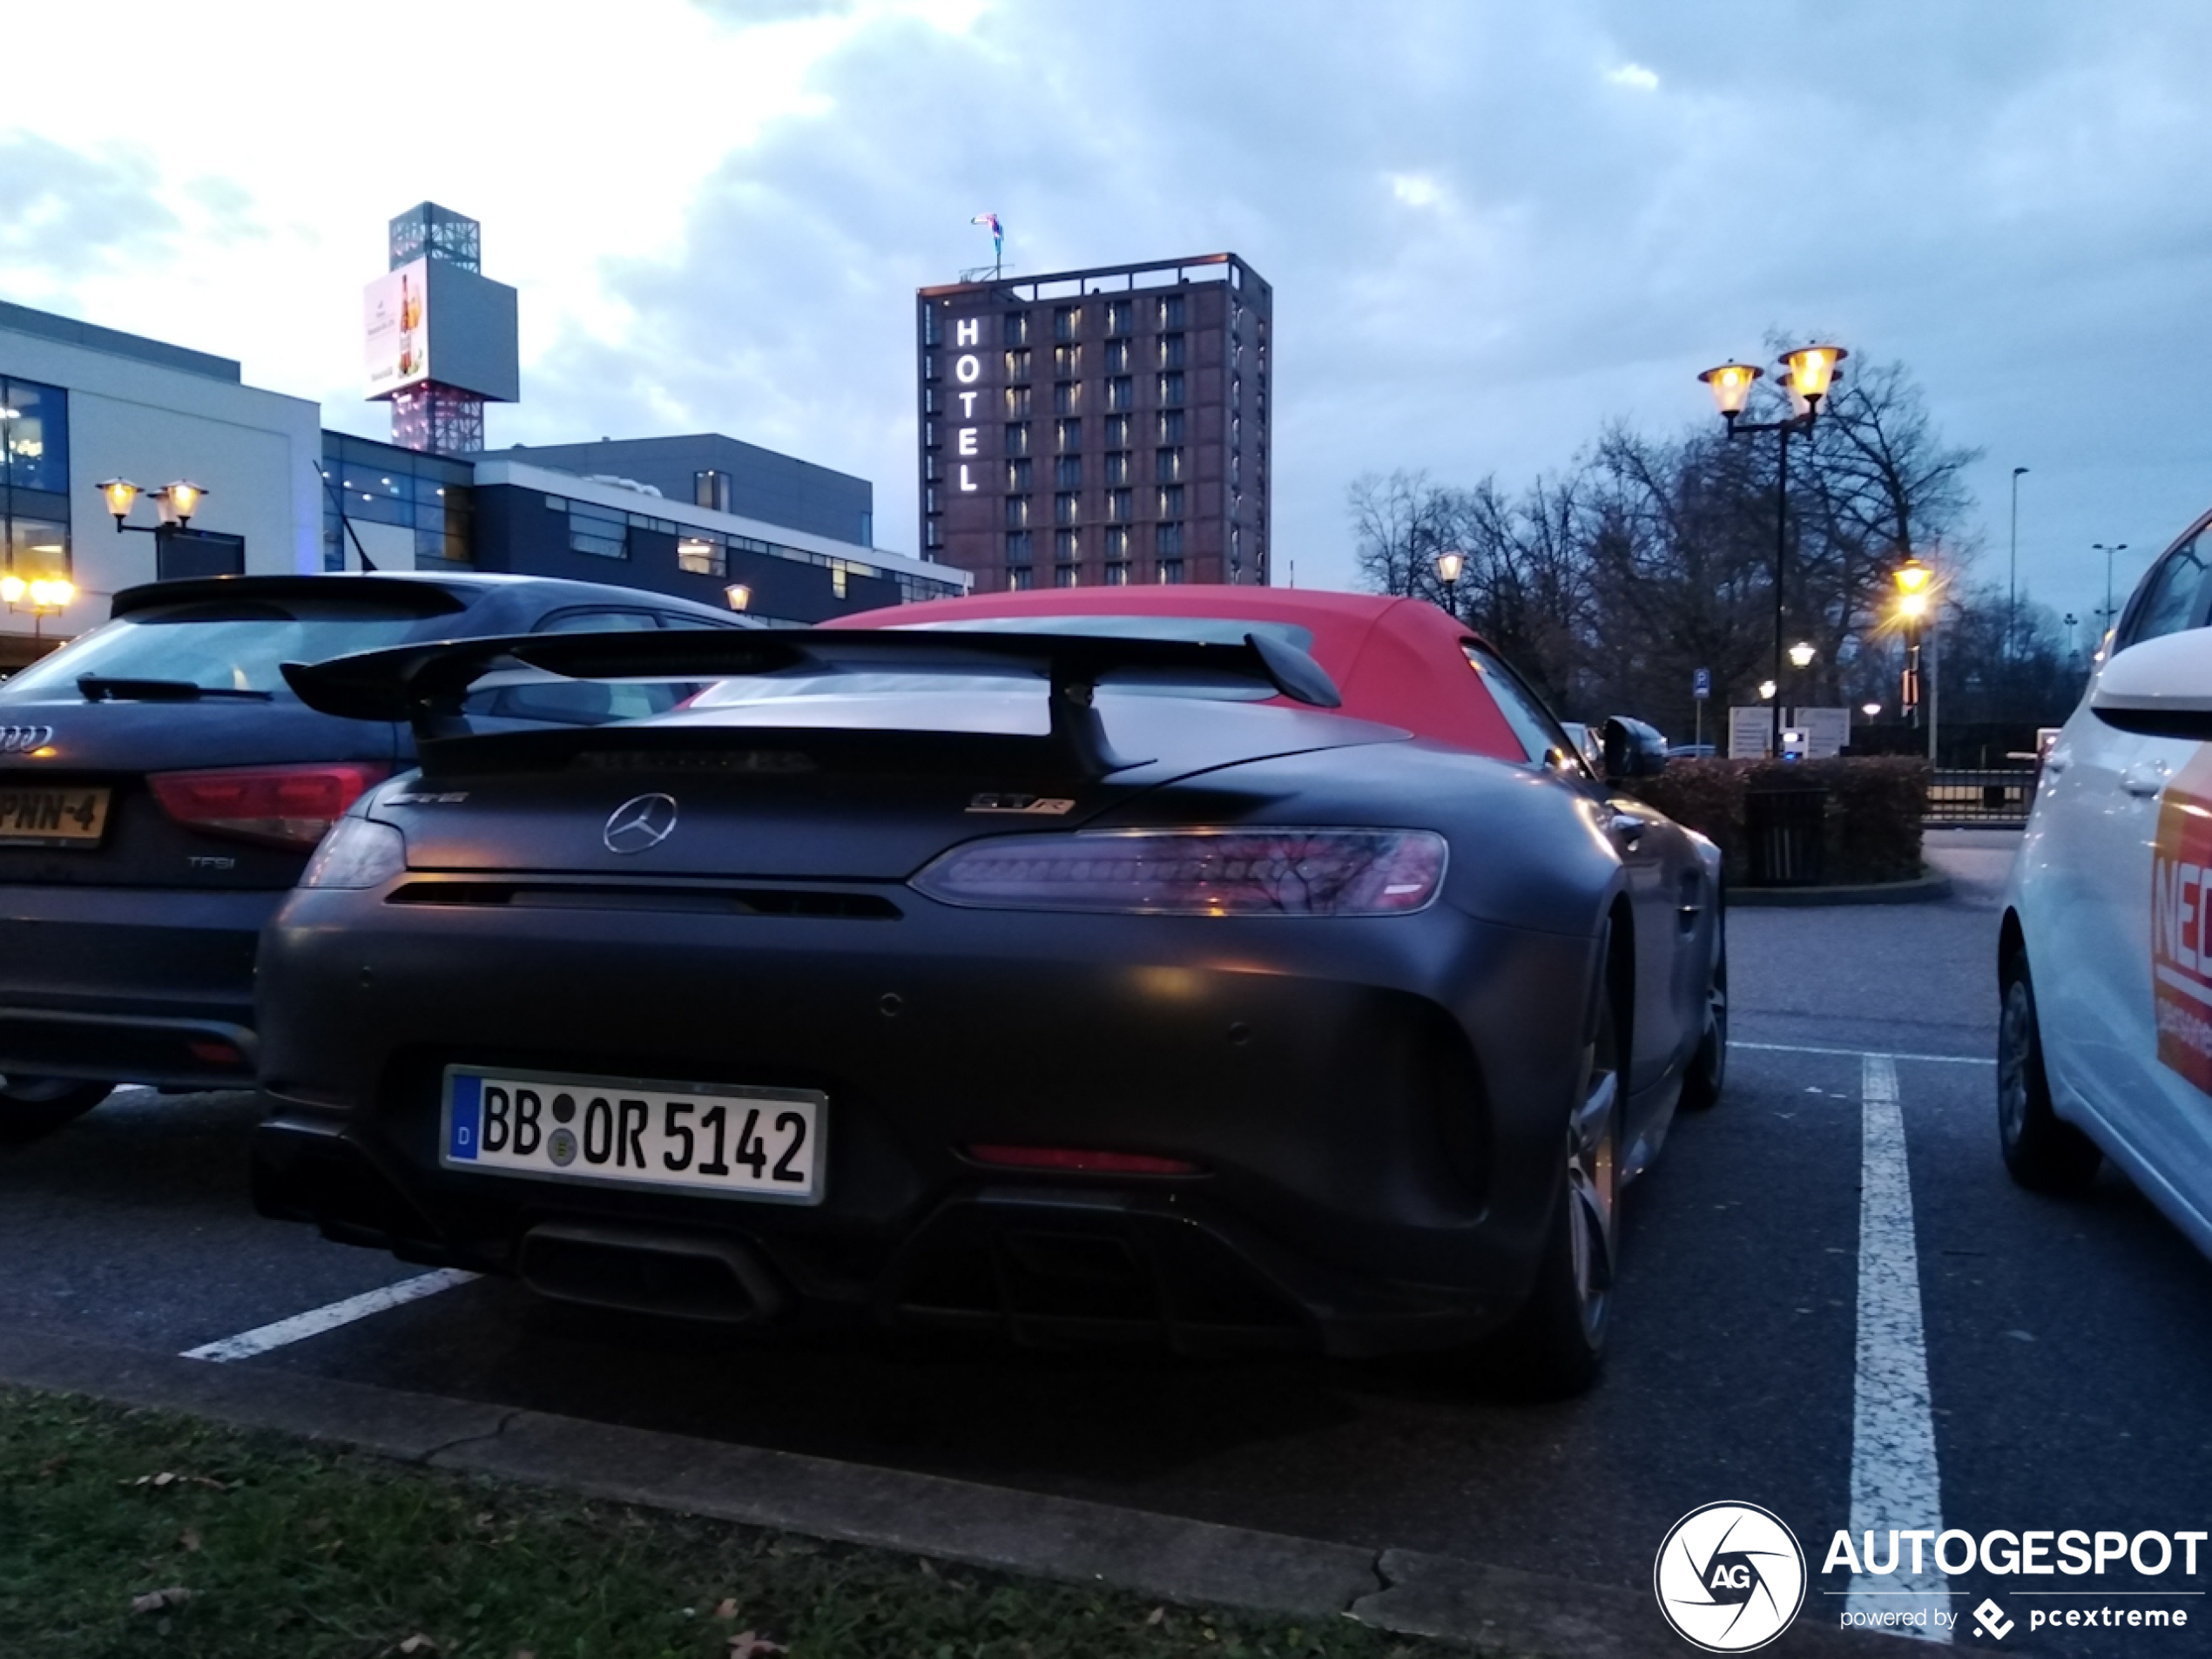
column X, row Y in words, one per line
column 1491, row 227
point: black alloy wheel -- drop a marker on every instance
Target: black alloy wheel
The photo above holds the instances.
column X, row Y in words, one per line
column 33, row 1107
column 2043, row 1152
column 1701, row 1083
column 1552, row 1347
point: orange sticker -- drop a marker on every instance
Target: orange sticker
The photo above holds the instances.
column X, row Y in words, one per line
column 2180, row 931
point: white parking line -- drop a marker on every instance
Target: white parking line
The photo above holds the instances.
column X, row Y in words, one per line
column 315, row 1321
column 1853, row 1054
column 1893, row 1483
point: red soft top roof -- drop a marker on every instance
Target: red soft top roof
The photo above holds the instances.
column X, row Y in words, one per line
column 1397, row 661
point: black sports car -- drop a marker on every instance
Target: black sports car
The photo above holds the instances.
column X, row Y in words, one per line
column 1215, row 966
column 161, row 789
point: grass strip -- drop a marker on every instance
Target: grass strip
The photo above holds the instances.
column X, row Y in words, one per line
column 140, row 1532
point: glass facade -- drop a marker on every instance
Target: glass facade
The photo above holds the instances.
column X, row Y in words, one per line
column 34, row 479
column 379, row 484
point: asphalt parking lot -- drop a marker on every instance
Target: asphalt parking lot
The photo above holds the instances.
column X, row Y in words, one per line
column 2065, row 1344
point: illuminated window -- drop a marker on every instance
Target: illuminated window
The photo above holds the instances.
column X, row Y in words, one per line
column 1017, row 437
column 1066, row 322
column 1117, row 467
column 1017, row 328
column 1171, row 388
column 1068, row 361
column 1118, row 506
column 1117, row 544
column 1017, row 475
column 1066, row 507
column 1066, row 397
column 1017, row 402
column 1171, row 571
column 933, row 534
column 1121, row 393
column 1121, row 316
column 1171, row 351
column 1068, row 576
column 1169, row 313
column 1117, row 432
column 1017, row 365
column 1117, row 574
column 1017, row 512
column 1068, row 473
column 1068, row 435
column 710, row 488
column 1019, row 578
column 1167, row 466
column 1169, row 422
column 1118, row 357
column 1067, row 545
column 1170, row 502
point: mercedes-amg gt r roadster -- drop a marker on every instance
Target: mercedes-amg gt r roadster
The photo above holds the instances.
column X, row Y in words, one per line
column 1216, row 966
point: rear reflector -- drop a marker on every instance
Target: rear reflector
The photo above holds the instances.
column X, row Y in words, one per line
column 1079, row 1158
column 290, row 807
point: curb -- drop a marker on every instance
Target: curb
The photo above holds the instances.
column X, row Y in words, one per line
column 1073, row 1540
column 1932, row 888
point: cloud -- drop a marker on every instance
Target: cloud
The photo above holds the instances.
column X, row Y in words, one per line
column 1635, row 74
column 1416, row 189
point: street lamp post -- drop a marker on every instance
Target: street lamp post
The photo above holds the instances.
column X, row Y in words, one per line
column 48, row 596
column 2012, row 569
column 1915, row 597
column 2099, row 547
column 1449, row 564
column 1811, row 370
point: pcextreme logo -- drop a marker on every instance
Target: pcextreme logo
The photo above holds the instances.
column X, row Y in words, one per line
column 1730, row 1577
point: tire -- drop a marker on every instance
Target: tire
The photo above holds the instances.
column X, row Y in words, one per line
column 1553, row 1348
column 2043, row 1152
column 1701, row 1083
column 33, row 1107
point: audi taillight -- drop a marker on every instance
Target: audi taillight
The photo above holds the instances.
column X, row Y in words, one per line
column 290, row 807
column 1197, row 871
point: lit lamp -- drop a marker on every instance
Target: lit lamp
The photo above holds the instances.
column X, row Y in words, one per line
column 1913, row 579
column 1767, row 689
column 1870, row 709
column 1449, row 563
column 46, row 597
column 739, row 595
column 1801, row 655
column 1812, row 371
column 119, row 493
column 1915, row 590
column 178, row 502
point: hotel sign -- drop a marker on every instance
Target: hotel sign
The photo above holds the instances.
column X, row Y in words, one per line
column 968, row 368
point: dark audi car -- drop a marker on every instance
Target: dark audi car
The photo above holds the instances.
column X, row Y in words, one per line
column 1219, row 967
column 161, row 788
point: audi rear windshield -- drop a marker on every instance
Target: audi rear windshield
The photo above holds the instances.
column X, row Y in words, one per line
column 233, row 644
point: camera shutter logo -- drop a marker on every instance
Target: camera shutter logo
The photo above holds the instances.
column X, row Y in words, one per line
column 640, row 824
column 1730, row 1577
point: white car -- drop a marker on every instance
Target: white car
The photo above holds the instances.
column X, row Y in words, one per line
column 2104, row 1049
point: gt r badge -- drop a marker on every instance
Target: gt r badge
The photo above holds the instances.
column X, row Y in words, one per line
column 1033, row 805
column 640, row 824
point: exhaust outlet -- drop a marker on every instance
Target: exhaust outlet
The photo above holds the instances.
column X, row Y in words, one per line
column 680, row 1275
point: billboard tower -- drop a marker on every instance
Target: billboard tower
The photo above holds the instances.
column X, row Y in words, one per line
column 440, row 334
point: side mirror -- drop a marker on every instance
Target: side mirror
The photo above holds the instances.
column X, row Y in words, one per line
column 2161, row 688
column 1633, row 750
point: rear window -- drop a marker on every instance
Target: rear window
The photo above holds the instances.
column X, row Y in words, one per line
column 218, row 645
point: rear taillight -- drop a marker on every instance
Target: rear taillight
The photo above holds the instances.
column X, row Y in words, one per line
column 1083, row 1160
column 1198, row 873
column 278, row 806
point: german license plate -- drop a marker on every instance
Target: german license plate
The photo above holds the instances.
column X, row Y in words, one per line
column 52, row 817
column 739, row 1143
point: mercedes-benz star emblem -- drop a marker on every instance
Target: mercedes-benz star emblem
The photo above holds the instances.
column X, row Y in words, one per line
column 640, row 824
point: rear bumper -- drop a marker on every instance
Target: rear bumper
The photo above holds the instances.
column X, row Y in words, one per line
column 129, row 984
column 1377, row 1109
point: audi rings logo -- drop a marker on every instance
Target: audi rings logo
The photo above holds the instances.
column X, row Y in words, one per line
column 22, row 740
column 640, row 824
column 1730, row 1577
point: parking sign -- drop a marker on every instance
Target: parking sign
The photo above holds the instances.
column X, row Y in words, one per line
column 1700, row 684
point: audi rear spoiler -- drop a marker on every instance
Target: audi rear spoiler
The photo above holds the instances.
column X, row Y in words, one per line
column 426, row 684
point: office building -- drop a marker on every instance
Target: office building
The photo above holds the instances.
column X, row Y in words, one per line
column 1098, row 426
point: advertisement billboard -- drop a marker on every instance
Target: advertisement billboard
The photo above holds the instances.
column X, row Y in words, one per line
column 395, row 322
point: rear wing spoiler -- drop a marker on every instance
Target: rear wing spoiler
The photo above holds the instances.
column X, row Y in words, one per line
column 426, row 684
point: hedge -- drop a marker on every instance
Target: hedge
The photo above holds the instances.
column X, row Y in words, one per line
column 1873, row 827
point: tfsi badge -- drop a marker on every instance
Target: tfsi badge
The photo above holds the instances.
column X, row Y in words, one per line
column 1730, row 1577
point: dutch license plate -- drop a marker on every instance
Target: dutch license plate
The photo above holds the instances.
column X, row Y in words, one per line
column 52, row 817
column 757, row 1143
